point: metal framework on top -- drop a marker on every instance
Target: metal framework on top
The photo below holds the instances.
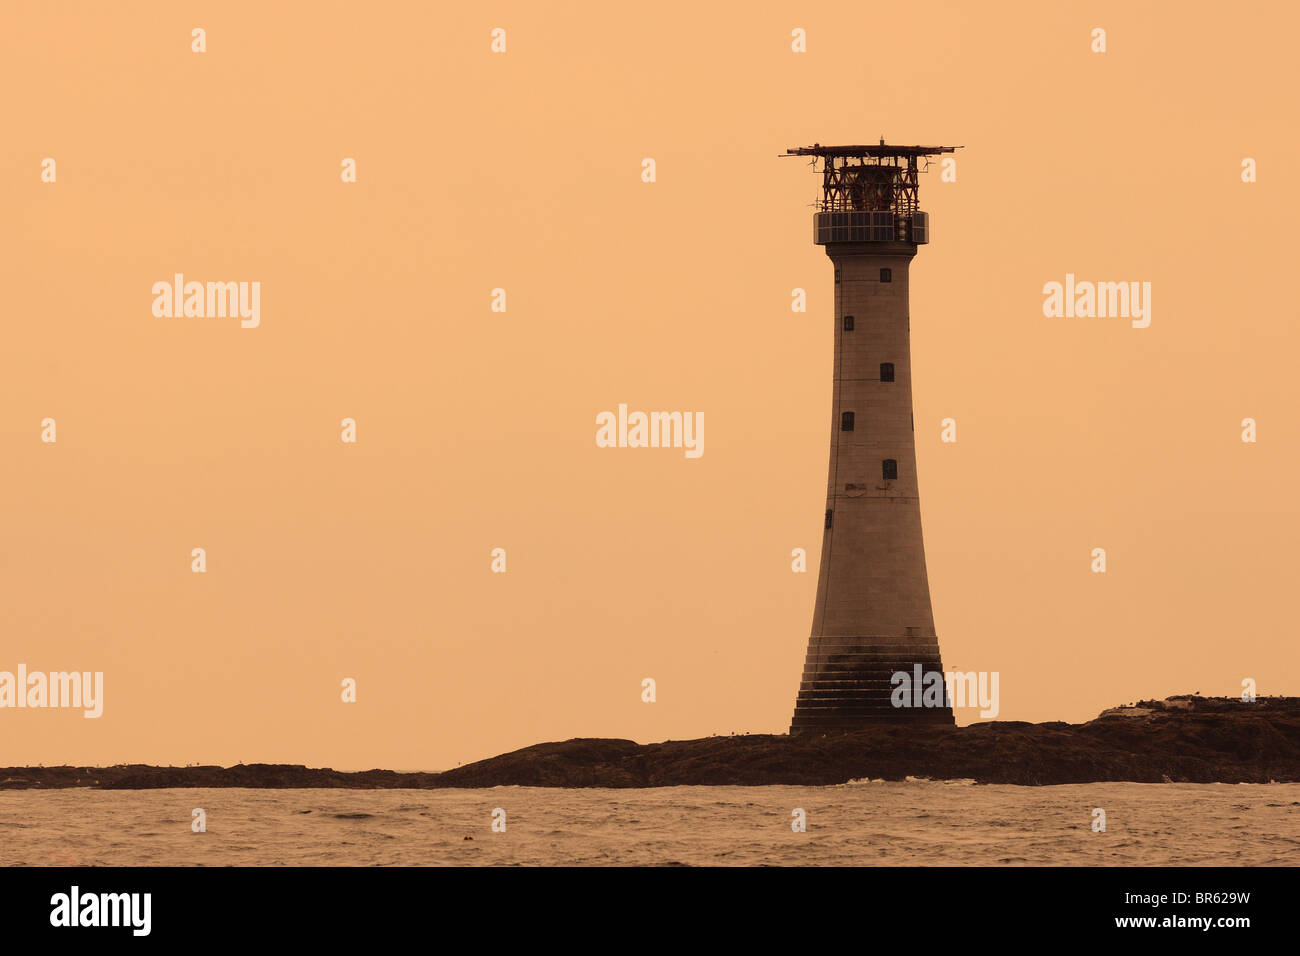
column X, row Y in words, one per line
column 871, row 178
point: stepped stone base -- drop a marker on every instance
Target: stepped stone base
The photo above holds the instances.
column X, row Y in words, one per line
column 848, row 684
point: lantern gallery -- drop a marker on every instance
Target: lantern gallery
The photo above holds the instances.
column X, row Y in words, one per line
column 211, row 300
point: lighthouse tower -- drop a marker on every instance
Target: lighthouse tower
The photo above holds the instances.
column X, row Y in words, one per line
column 873, row 619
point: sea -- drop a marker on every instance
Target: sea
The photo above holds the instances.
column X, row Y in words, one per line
column 864, row 823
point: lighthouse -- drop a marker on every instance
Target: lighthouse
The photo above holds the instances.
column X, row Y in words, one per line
column 873, row 637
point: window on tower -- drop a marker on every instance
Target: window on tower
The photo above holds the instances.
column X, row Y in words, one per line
column 885, row 275
column 846, row 421
column 889, row 469
column 837, row 275
column 848, row 323
column 828, row 517
column 886, row 371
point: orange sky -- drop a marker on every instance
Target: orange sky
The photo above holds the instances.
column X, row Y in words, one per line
column 476, row 429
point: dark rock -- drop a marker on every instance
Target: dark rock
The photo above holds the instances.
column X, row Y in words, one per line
column 1183, row 739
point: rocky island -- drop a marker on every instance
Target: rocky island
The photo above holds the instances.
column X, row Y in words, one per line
column 1188, row 739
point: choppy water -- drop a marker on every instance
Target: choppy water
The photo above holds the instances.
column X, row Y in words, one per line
column 877, row 823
